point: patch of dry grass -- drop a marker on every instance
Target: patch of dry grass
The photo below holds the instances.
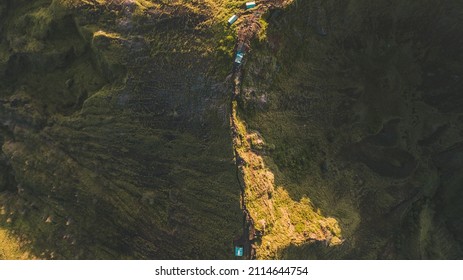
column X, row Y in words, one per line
column 11, row 248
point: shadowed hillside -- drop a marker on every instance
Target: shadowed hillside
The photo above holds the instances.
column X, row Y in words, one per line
column 345, row 119
column 115, row 139
column 360, row 104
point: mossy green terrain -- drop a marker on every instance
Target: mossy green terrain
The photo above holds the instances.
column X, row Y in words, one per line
column 282, row 220
column 115, row 129
column 115, row 138
column 358, row 107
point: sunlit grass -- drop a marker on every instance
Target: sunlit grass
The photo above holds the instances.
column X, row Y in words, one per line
column 283, row 220
column 11, row 248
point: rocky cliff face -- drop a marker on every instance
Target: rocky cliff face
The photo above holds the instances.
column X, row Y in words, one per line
column 115, row 129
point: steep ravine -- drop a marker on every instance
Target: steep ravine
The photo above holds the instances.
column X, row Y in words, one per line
column 273, row 220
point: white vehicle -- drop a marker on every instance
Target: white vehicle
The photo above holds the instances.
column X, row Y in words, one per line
column 232, row 19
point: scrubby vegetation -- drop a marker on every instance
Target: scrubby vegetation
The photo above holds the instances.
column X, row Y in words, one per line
column 115, row 141
column 355, row 103
column 114, row 126
column 282, row 220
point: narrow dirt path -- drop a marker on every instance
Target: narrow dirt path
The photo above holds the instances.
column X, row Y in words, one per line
column 247, row 30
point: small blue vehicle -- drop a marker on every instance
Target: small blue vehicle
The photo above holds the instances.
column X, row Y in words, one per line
column 240, row 51
column 239, row 251
column 239, row 57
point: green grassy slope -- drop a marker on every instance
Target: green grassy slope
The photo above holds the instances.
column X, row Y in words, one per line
column 114, row 128
column 115, row 141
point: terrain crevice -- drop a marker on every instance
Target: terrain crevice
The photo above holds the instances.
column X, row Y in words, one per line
column 272, row 220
